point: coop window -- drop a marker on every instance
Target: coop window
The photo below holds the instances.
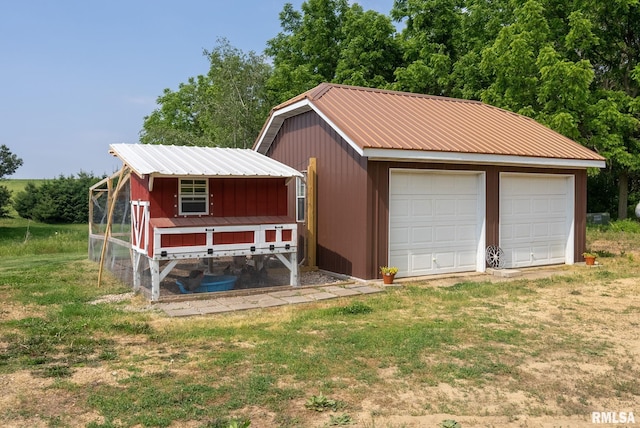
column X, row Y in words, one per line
column 194, row 196
column 301, row 198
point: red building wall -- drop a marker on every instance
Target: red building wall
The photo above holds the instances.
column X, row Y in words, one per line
column 228, row 197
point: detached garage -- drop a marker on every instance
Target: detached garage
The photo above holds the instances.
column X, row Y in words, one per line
column 427, row 183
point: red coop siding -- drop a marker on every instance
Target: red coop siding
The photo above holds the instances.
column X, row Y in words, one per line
column 139, row 188
column 184, row 240
column 164, row 197
column 250, row 197
column 233, row 238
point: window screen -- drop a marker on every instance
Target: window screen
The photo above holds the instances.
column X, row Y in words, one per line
column 193, row 196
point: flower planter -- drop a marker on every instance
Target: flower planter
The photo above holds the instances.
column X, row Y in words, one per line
column 590, row 260
column 387, row 278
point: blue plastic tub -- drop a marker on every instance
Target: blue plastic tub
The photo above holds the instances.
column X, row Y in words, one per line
column 211, row 283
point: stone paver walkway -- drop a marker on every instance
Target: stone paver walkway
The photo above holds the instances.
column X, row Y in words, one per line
column 221, row 304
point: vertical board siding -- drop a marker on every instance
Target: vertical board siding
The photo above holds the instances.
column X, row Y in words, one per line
column 164, row 197
column 139, row 188
column 492, row 192
column 229, row 197
column 342, row 195
column 580, row 215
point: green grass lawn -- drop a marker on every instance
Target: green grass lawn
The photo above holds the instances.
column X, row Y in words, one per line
column 534, row 348
column 17, row 184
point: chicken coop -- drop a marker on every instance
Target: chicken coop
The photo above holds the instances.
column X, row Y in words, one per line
column 181, row 219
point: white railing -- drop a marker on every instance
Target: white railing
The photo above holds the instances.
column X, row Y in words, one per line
column 258, row 245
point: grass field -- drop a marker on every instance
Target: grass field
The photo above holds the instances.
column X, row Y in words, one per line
column 543, row 350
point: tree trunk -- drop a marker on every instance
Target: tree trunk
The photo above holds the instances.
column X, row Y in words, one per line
column 623, row 194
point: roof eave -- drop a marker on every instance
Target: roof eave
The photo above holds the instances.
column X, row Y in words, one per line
column 374, row 154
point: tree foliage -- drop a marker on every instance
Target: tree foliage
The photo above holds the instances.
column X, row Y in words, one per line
column 58, row 201
column 9, row 163
column 330, row 41
column 224, row 108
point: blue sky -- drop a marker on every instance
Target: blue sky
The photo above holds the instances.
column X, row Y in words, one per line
column 78, row 75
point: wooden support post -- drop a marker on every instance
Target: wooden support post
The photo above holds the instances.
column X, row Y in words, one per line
column 111, row 198
column 294, row 278
column 292, row 264
column 155, row 279
column 312, row 218
column 137, row 274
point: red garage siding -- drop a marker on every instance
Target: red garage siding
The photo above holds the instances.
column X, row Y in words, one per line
column 344, row 244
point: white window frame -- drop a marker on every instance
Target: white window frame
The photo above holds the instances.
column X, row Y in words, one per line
column 301, row 197
column 195, row 196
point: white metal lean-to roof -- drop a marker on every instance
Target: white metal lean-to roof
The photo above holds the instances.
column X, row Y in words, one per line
column 167, row 161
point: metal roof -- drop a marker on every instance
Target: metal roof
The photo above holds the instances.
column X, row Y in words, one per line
column 158, row 161
column 383, row 124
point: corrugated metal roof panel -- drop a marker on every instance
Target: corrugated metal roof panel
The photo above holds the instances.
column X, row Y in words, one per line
column 158, row 160
column 380, row 119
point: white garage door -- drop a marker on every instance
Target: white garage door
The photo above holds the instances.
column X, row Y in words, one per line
column 436, row 221
column 536, row 219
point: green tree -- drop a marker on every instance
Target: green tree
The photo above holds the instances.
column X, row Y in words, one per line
column 9, row 163
column 572, row 67
column 369, row 53
column 224, row 108
column 61, row 200
column 26, row 200
column 431, row 42
column 330, row 41
column 614, row 128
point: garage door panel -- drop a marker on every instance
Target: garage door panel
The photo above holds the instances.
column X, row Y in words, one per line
column 466, row 233
column 521, row 206
column 421, row 262
column 467, row 206
column 398, row 236
column 421, row 235
column 445, row 260
column 420, row 208
column 540, row 230
column 557, row 206
column 467, row 259
column 557, row 228
column 521, row 231
column 445, row 207
column 534, row 217
column 401, row 208
column 442, row 223
column 444, row 234
column 541, row 207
